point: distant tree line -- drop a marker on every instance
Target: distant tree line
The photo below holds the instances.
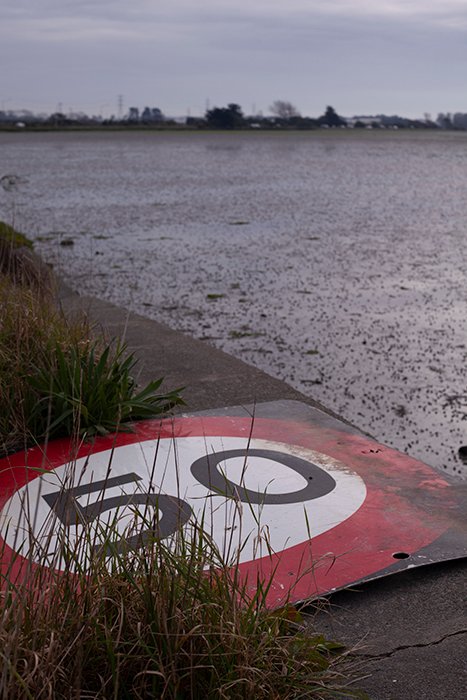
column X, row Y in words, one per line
column 284, row 115
column 147, row 116
column 287, row 116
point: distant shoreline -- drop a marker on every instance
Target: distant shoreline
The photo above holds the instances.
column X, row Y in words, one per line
column 177, row 128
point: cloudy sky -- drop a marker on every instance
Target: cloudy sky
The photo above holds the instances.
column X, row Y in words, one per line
column 362, row 56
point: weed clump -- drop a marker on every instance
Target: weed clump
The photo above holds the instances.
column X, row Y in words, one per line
column 169, row 621
column 91, row 388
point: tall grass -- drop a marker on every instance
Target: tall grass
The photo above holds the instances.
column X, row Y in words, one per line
column 29, row 326
column 168, row 620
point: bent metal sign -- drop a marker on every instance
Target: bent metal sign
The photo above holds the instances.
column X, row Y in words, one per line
column 288, row 492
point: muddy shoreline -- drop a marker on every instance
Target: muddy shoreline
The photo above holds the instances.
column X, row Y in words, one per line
column 331, row 263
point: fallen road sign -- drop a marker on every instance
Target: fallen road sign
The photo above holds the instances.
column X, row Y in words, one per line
column 286, row 491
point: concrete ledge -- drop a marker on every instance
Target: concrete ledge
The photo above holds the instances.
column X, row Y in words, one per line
column 211, row 377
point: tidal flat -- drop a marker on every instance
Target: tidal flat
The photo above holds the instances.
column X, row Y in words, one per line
column 332, row 260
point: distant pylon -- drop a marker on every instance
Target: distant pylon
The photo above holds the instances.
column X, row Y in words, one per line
column 120, row 107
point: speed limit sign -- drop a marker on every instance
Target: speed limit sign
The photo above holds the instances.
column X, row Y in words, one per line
column 285, row 491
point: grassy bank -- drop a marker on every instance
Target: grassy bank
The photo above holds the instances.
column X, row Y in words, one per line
column 170, row 619
column 56, row 377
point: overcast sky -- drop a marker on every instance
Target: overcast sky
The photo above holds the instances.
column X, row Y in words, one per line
column 362, row 56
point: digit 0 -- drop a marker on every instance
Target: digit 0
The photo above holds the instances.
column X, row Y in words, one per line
column 319, row 482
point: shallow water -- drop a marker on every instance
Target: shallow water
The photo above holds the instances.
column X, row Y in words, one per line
column 332, row 260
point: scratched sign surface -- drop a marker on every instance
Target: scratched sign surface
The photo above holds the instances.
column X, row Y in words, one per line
column 283, row 490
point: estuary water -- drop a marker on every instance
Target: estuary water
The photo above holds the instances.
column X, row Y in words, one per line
column 334, row 260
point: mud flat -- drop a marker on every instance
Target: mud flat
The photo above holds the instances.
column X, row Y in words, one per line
column 332, row 261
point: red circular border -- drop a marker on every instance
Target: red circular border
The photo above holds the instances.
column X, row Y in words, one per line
column 391, row 518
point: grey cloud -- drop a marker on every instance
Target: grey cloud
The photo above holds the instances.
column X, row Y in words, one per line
column 366, row 53
column 144, row 11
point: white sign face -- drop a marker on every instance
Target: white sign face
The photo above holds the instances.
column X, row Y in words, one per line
column 253, row 497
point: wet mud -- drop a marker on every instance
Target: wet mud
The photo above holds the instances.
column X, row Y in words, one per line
column 333, row 261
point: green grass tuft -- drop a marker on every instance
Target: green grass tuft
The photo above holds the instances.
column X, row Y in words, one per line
column 91, row 390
